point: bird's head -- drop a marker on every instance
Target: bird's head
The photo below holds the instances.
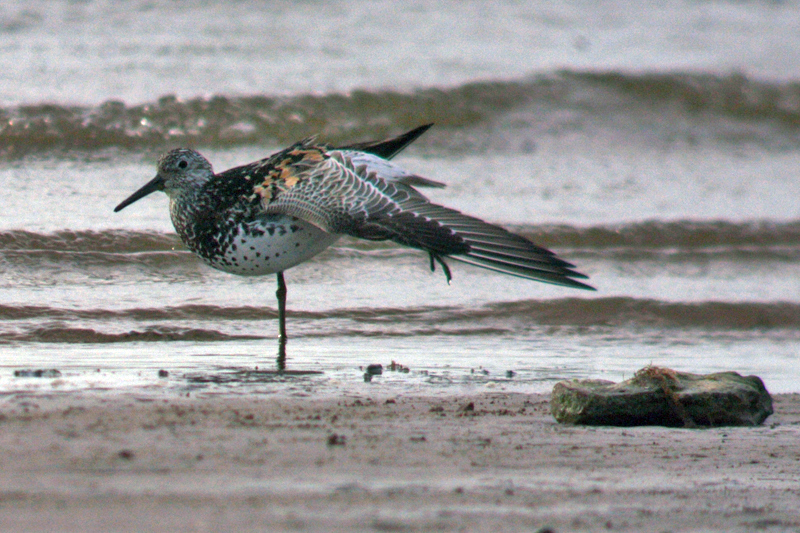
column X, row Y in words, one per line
column 179, row 171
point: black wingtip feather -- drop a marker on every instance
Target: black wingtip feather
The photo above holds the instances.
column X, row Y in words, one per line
column 389, row 148
column 442, row 231
column 564, row 279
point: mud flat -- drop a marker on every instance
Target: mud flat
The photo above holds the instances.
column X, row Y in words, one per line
column 490, row 461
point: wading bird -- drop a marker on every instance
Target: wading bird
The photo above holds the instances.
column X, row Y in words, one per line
column 270, row 215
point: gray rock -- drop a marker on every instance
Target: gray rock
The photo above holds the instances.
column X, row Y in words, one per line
column 663, row 397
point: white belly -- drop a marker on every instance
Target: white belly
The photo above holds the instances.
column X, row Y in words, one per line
column 282, row 245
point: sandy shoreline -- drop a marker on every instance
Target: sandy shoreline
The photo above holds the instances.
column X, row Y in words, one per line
column 84, row 461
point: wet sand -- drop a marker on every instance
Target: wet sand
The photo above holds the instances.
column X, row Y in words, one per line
column 111, row 461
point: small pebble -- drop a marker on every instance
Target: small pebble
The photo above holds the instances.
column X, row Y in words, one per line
column 163, row 374
column 128, row 455
column 397, row 367
column 336, row 440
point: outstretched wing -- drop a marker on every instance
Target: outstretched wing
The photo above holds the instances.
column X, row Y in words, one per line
column 339, row 193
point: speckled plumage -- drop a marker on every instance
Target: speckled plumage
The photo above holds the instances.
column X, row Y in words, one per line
column 270, row 215
column 222, row 220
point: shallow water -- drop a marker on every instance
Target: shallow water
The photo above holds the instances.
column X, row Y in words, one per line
column 658, row 152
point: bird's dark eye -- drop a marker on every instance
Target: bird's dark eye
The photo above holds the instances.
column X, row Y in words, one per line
column 183, row 163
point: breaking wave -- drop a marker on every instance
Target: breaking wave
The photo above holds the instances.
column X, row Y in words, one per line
column 157, row 324
column 675, row 236
column 225, row 121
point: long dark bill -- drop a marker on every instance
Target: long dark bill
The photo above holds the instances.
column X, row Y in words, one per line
column 156, row 184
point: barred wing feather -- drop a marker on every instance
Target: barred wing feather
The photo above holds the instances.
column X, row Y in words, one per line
column 339, row 196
